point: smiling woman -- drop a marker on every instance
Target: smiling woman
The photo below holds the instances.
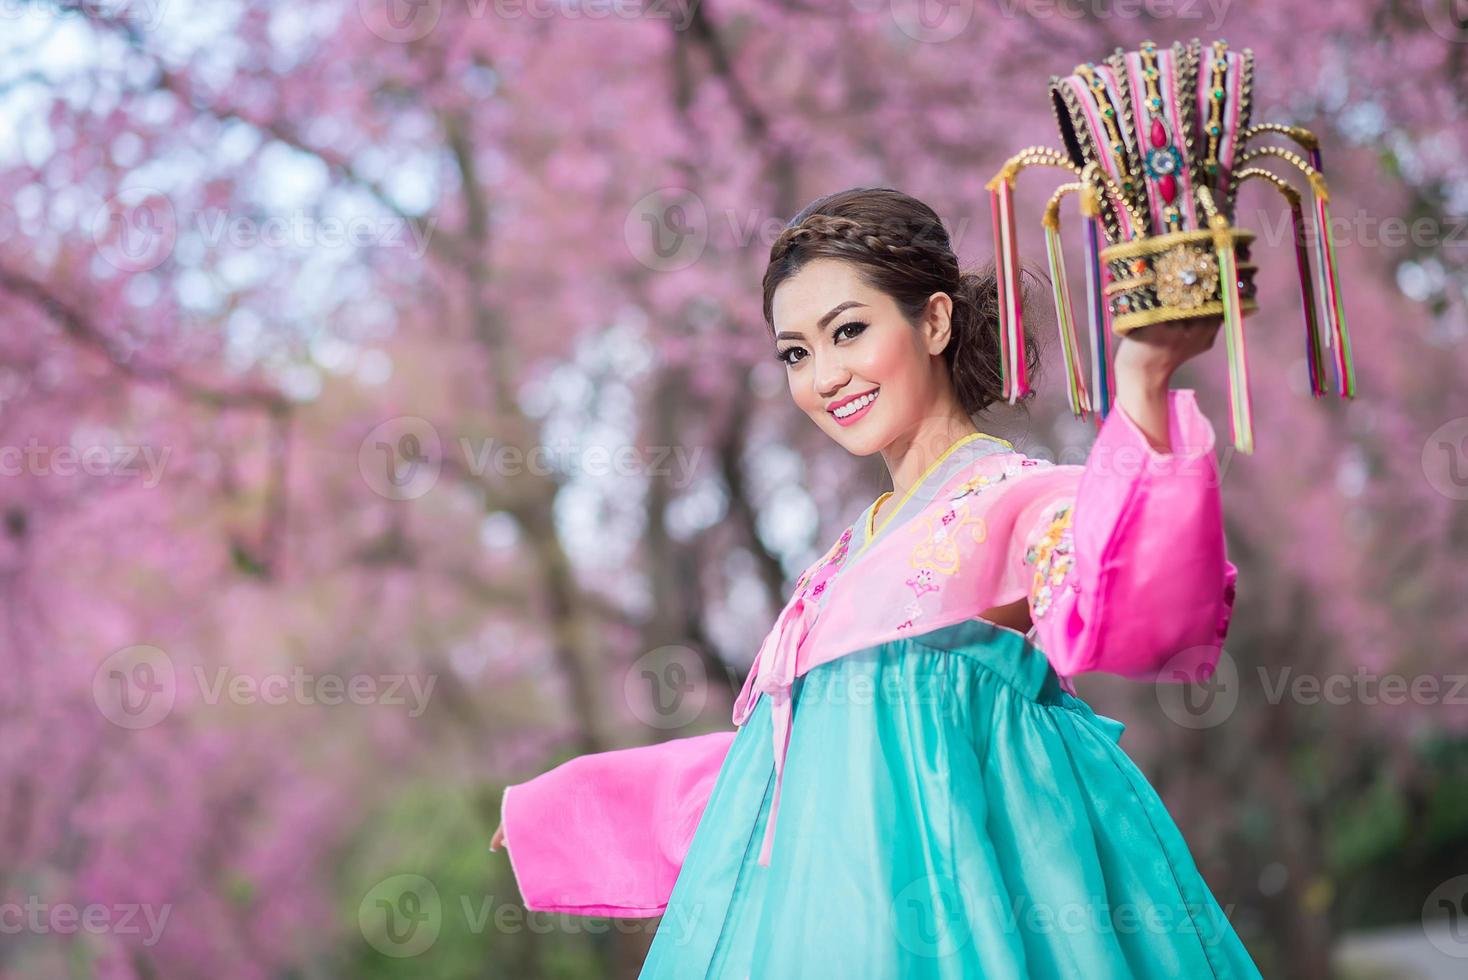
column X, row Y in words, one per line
column 946, row 805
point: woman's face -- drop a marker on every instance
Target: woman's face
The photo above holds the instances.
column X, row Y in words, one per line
column 855, row 365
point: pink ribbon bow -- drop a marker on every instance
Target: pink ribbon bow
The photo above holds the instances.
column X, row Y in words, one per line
column 773, row 673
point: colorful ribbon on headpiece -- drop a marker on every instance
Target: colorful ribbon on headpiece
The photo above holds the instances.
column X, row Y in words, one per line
column 1099, row 314
column 1011, row 325
column 1080, row 403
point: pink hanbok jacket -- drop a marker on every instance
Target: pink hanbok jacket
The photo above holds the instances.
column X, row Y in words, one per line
column 1123, row 563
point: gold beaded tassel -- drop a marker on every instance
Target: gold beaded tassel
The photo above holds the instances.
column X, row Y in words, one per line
column 1064, row 312
column 1241, row 412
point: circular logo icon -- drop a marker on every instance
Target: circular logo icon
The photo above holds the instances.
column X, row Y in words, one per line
column 135, row 230
column 666, row 688
column 932, row 21
column 1192, row 705
column 1445, row 917
column 667, row 230
column 401, row 458
column 135, row 687
column 1445, row 459
column 401, row 916
column 400, row 21
column 1448, row 19
column 931, row 916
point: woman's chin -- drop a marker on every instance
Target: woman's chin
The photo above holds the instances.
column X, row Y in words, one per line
column 860, row 439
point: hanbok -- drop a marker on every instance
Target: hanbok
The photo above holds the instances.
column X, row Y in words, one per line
column 913, row 791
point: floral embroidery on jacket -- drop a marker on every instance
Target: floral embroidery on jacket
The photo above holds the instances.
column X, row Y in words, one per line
column 938, row 548
column 1053, row 556
column 820, row 573
column 922, row 583
column 978, row 484
column 985, row 481
column 914, row 611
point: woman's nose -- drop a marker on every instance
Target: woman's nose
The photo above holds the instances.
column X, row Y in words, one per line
column 830, row 375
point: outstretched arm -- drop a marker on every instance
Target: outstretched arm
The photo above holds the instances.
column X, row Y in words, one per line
column 606, row 833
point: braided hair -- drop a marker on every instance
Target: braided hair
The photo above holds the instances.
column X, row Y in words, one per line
column 900, row 247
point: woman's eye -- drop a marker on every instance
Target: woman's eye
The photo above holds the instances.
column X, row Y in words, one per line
column 846, row 330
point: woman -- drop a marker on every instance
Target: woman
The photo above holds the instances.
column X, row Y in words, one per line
column 946, row 806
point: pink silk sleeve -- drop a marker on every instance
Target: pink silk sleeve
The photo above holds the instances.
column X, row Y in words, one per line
column 606, row 833
column 1128, row 567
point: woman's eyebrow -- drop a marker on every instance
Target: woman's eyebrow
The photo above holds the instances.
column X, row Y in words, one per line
column 824, row 321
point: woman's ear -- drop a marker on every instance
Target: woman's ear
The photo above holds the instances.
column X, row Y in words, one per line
column 937, row 324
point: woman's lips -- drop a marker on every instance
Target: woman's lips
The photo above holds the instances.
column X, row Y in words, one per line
column 854, row 417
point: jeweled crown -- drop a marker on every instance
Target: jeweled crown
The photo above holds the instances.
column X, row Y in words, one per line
column 1160, row 142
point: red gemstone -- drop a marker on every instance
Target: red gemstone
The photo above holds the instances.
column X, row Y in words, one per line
column 1159, row 135
column 1167, row 186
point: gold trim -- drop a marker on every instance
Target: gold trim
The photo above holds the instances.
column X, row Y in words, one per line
column 1151, row 245
column 1279, row 183
column 872, row 514
column 1051, row 217
column 1030, row 156
column 873, row 531
column 1303, row 137
column 1126, row 322
column 1315, row 177
column 1116, row 286
column 1092, row 173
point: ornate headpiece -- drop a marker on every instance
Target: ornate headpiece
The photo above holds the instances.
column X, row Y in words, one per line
column 1160, row 142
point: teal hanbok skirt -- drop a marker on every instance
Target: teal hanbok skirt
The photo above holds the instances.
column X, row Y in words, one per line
column 948, row 811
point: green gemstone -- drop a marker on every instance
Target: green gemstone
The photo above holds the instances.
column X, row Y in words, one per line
column 1108, row 111
column 1218, row 94
column 1213, row 168
column 1156, row 103
column 1213, row 130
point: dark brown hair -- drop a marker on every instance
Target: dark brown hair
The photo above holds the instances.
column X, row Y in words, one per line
column 899, row 246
